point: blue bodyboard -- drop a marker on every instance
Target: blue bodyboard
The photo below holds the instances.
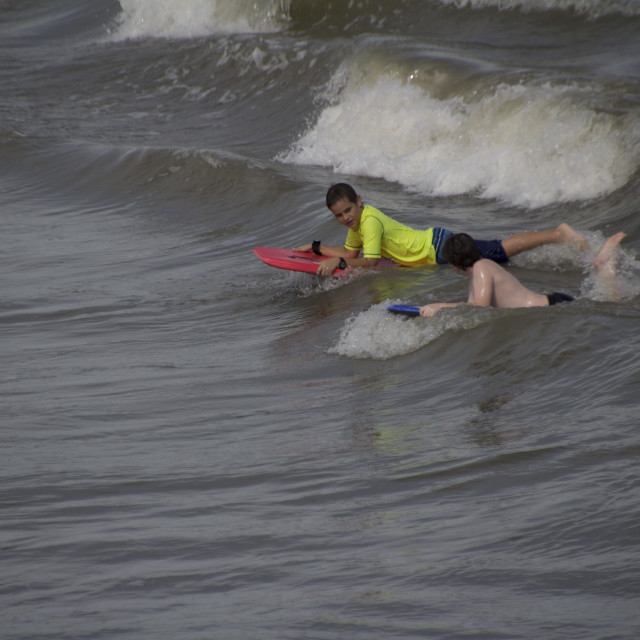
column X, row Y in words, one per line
column 404, row 309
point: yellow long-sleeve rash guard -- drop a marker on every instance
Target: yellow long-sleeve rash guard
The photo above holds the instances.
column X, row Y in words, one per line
column 378, row 236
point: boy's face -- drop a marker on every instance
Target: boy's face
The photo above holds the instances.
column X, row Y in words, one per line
column 348, row 213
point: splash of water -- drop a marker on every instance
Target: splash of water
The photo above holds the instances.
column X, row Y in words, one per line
column 525, row 144
column 377, row 334
column 196, row 18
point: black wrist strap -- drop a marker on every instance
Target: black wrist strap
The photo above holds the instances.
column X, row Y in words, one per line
column 342, row 264
column 315, row 247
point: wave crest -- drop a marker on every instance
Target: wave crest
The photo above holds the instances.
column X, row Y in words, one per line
column 527, row 144
column 197, row 18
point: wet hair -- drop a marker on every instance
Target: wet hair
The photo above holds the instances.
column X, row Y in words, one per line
column 461, row 250
column 341, row 191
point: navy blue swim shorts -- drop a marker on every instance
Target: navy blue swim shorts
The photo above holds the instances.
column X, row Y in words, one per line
column 492, row 250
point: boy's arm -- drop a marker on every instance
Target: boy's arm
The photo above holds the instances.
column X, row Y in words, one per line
column 430, row 309
column 326, row 250
column 480, row 292
column 327, row 267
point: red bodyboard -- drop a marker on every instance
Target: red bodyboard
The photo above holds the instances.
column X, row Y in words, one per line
column 302, row 261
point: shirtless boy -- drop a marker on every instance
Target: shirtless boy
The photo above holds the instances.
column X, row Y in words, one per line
column 491, row 285
column 377, row 235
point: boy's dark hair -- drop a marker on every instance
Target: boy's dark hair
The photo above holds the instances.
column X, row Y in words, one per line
column 341, row 191
column 461, row 250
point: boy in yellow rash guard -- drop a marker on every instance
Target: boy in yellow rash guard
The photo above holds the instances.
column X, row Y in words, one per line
column 377, row 235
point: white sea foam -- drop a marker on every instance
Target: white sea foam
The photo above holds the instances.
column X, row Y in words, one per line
column 377, row 334
column 525, row 144
column 194, row 18
column 591, row 8
column 616, row 282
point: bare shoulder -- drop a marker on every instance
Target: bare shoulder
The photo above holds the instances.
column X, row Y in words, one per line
column 488, row 271
column 487, row 267
column 485, row 263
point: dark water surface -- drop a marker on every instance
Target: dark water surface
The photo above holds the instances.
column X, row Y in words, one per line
column 198, row 446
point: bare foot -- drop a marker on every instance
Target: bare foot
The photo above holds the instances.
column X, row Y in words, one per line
column 572, row 237
column 609, row 251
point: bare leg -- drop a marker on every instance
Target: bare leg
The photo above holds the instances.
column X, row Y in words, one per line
column 530, row 240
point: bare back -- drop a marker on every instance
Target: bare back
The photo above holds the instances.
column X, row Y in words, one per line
column 491, row 285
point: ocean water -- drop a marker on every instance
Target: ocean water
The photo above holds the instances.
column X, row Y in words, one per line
column 198, row 446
